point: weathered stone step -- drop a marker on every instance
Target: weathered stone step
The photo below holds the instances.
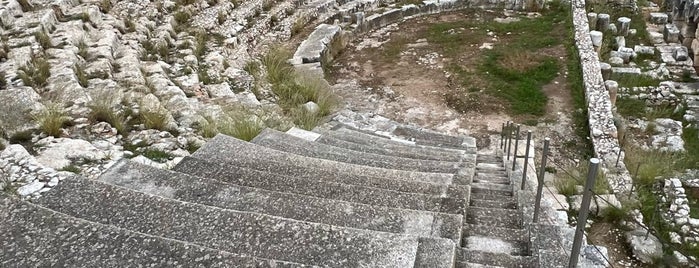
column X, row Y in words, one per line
column 492, row 186
column 431, row 138
column 368, row 140
column 404, row 151
column 508, row 218
column 490, row 196
column 215, row 193
column 477, row 188
column 493, row 244
column 508, row 234
column 475, row 265
column 246, row 233
column 320, row 188
column 283, row 142
column 489, row 158
column 493, row 203
column 33, row 236
column 489, row 166
column 497, row 259
column 495, row 180
column 229, row 150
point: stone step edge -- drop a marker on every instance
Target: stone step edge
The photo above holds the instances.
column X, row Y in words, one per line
column 123, row 230
column 214, row 181
column 399, row 140
column 254, row 213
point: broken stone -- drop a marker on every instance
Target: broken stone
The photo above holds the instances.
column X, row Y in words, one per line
column 658, row 18
column 681, row 53
column 671, row 34
column 606, row 69
column 311, row 107
column 596, row 37
column 645, row 249
column 623, row 24
column 603, row 22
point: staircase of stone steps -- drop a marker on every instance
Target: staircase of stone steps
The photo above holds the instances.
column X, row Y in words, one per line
column 494, row 233
column 341, row 197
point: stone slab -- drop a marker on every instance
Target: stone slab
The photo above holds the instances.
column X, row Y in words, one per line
column 179, row 186
column 319, row 188
column 279, row 141
column 237, row 232
column 33, row 236
column 224, row 148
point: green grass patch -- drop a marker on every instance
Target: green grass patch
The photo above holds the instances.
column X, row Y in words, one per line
column 156, row 155
column 36, row 73
column 634, row 80
column 71, row 168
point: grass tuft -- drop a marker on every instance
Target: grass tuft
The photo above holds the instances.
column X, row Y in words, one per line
column 52, row 119
column 154, row 118
column 101, row 110
column 71, row 168
column 36, row 73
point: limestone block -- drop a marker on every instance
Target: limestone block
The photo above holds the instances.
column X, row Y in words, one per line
column 658, row 18
column 592, row 20
column 645, row 247
column 606, row 70
column 671, row 34
column 644, row 50
column 596, row 37
column 612, row 88
column 602, row 22
column 656, row 37
column 681, row 53
column 623, row 25
column 619, row 41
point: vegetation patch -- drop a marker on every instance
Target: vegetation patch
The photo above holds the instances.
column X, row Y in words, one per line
column 52, row 119
column 36, row 73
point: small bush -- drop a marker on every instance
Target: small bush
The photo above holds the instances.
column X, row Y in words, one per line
column 44, row 39
column 105, row 6
column 101, row 110
column 273, row 20
column 185, row 2
column 267, row 5
column 278, row 69
column 82, row 77
column 130, row 25
column 221, row 17
column 613, row 214
column 566, row 186
column 52, row 119
column 3, row 81
column 649, row 166
column 82, row 50
column 182, row 17
column 297, row 26
column 200, row 46
column 154, row 119
column 36, row 73
column 305, row 119
column 208, row 129
column 242, row 127
column 203, row 75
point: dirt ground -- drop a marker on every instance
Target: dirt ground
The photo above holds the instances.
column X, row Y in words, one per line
column 407, row 80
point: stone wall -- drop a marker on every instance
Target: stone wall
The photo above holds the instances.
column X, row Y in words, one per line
column 603, row 132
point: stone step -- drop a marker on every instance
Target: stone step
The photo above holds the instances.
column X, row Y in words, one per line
column 508, row 218
column 496, row 166
column 246, row 233
column 361, row 138
column 404, row 151
column 477, row 188
column 493, row 203
column 497, row 259
column 487, row 179
column 497, row 196
column 475, row 265
column 426, row 137
column 496, row 245
column 319, row 188
column 508, row 234
column 489, row 158
column 491, row 172
column 34, row 236
column 284, row 142
column 253, row 167
column 224, row 149
column 492, row 186
column 215, row 193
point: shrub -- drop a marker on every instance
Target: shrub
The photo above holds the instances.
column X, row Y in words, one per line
column 52, row 119
column 82, row 50
column 3, row 81
column 208, row 129
column 200, row 46
column 43, row 38
column 80, row 73
column 241, row 126
column 305, row 119
column 130, row 25
column 221, row 17
column 36, row 73
column 101, row 110
column 154, row 119
column 25, row 5
column 649, row 166
column 182, row 17
column 278, row 69
column 105, row 6
column 566, row 186
column 156, row 155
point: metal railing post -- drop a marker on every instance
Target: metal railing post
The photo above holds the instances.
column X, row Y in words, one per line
column 526, row 159
column 502, row 135
column 514, row 154
column 584, row 211
column 509, row 140
column 540, row 178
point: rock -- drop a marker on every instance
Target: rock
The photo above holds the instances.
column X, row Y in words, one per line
column 680, row 259
column 596, row 37
column 644, row 249
column 681, row 53
column 644, row 50
column 619, row 42
column 616, row 61
column 61, row 152
column 671, row 34
column 17, row 104
column 658, row 18
column 606, row 70
column 311, row 107
column 30, row 188
column 592, row 20
column 219, row 90
column 602, row 22
column 623, row 24
column 612, row 88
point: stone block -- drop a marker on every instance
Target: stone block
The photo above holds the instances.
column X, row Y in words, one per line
column 623, row 25
column 681, row 53
column 671, row 34
column 602, row 22
column 658, row 18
